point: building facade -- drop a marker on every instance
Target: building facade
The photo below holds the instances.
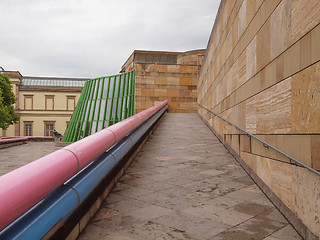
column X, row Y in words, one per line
column 43, row 104
column 261, row 72
column 160, row 76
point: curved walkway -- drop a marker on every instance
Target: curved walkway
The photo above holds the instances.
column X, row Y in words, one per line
column 185, row 185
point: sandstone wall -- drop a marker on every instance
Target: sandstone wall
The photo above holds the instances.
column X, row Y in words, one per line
column 168, row 76
column 261, row 71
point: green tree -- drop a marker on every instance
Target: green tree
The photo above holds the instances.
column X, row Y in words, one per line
column 7, row 99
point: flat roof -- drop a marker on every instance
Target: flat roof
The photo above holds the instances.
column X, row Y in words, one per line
column 53, row 82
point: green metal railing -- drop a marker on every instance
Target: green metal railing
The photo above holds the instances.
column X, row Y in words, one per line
column 103, row 101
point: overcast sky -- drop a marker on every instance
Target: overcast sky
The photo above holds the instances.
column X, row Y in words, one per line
column 91, row 38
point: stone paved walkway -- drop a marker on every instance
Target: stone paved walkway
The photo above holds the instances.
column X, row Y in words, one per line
column 17, row 156
column 185, row 185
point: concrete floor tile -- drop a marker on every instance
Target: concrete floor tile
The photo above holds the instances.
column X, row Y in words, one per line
column 212, row 172
column 127, row 205
column 222, row 215
column 133, row 191
column 117, row 223
column 105, row 213
column 244, row 195
column 140, row 181
column 156, row 186
column 151, row 230
column 202, row 228
column 286, row 233
column 251, row 208
column 148, row 213
column 254, row 228
column 113, row 198
column 18, row 156
column 92, row 232
column 223, row 202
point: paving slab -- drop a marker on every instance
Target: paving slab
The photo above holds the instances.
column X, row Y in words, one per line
column 184, row 184
column 18, row 156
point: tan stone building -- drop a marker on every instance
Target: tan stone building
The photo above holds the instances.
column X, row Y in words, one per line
column 261, row 72
column 43, row 104
column 171, row 76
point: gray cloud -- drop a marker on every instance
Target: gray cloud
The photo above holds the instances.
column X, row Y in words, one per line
column 82, row 38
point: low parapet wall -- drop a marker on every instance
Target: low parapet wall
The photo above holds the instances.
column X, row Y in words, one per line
column 6, row 142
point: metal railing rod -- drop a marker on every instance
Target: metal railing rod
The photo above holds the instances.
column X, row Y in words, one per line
column 263, row 142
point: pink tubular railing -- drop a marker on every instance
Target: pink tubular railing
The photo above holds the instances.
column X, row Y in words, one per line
column 24, row 187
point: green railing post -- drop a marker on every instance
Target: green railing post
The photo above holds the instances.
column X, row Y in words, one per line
column 120, row 95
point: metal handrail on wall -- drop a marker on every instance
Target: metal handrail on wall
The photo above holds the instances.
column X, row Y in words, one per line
column 265, row 144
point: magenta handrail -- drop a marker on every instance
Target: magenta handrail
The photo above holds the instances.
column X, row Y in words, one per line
column 24, row 187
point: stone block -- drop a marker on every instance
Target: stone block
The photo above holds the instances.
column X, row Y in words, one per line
column 149, row 67
column 250, row 160
column 280, row 29
column 235, row 145
column 305, row 51
column 188, row 105
column 147, row 80
column 173, row 81
column 147, row 104
column 274, row 105
column 281, row 185
column 264, row 170
column 188, row 69
column 161, row 92
column 304, row 16
column 306, row 192
column 147, row 92
column 173, row 68
column 173, row 93
column 251, row 58
column 279, row 68
column 305, row 101
column 239, row 72
column 292, row 146
column 160, row 68
column 263, row 46
column 185, row 94
column 160, row 80
column 315, row 151
column 186, row 81
column 315, row 46
column 242, row 18
column 291, row 60
column 245, row 143
column 174, row 105
column 138, row 67
column 271, row 6
column 270, row 74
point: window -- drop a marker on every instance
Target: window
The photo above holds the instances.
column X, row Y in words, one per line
column 28, row 102
column 28, row 128
column 71, row 103
column 49, row 104
column 48, row 129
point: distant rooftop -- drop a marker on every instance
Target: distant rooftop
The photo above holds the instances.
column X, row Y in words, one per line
column 53, row 82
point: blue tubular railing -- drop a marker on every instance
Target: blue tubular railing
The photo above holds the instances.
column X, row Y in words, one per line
column 265, row 144
column 56, row 208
